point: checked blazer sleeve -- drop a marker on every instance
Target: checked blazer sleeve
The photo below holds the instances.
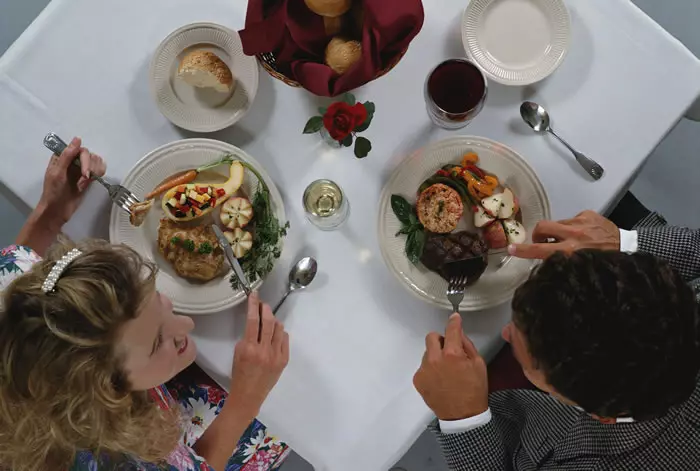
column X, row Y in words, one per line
column 482, row 448
column 677, row 245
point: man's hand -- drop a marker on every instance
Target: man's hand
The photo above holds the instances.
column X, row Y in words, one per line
column 452, row 378
column 588, row 230
column 259, row 358
column 65, row 183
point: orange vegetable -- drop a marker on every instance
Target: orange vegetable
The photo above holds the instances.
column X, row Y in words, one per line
column 179, row 180
column 479, row 188
column 470, row 158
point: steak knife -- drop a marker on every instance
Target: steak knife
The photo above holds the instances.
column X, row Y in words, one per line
column 232, row 260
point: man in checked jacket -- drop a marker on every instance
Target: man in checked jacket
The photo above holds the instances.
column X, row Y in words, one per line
column 612, row 341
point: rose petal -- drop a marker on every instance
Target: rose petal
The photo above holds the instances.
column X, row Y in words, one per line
column 360, row 114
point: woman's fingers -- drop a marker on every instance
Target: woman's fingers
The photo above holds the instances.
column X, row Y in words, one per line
column 252, row 325
column 69, row 154
column 278, row 337
column 98, row 167
column 268, row 325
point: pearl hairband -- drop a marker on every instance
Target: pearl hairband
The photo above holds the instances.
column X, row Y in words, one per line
column 58, row 270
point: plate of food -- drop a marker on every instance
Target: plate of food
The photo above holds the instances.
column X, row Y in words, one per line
column 460, row 199
column 201, row 78
column 188, row 186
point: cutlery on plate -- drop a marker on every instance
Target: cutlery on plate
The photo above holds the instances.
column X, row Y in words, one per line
column 538, row 119
column 119, row 195
column 458, row 274
column 232, row 260
column 300, row 276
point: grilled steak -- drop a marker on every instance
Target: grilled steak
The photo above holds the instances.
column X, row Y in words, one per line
column 442, row 249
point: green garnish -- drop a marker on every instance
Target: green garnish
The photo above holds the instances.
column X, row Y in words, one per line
column 188, row 245
column 205, row 248
column 410, row 226
column 268, row 235
column 175, row 240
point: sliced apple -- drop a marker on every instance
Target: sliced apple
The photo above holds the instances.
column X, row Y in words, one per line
column 515, row 231
column 241, row 241
column 236, row 212
column 492, row 205
column 508, row 205
column 231, row 186
column 481, row 219
column 495, row 236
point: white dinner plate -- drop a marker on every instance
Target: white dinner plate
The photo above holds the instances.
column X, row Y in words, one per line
column 517, row 42
column 188, row 297
column 504, row 274
column 197, row 109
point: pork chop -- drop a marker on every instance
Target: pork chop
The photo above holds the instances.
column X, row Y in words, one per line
column 191, row 261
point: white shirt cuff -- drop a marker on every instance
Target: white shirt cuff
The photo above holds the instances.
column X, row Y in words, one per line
column 465, row 425
column 629, row 241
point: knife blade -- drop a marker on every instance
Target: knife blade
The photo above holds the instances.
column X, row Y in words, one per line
column 232, row 260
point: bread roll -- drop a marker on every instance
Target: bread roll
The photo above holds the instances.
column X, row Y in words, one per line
column 331, row 8
column 205, row 69
column 342, row 54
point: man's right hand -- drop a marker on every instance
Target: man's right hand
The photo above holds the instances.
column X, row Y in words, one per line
column 259, row 358
column 452, row 378
column 588, row 230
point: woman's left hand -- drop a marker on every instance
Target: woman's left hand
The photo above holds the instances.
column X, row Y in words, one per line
column 65, row 184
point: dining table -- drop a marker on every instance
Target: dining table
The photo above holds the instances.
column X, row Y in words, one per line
column 346, row 401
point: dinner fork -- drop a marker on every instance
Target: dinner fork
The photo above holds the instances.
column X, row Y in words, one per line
column 119, row 195
column 455, row 290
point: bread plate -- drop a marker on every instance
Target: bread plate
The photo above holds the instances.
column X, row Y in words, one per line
column 517, row 42
column 199, row 109
column 188, row 297
column 504, row 274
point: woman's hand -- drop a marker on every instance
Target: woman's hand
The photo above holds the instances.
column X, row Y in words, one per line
column 65, row 183
column 259, row 358
column 258, row 362
column 64, row 189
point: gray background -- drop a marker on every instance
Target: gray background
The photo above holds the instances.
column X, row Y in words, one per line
column 669, row 177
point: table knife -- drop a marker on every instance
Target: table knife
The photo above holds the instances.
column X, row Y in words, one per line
column 232, row 260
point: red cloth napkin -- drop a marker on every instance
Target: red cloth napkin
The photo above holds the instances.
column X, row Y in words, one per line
column 298, row 39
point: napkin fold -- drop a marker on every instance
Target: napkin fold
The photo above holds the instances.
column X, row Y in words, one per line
column 297, row 37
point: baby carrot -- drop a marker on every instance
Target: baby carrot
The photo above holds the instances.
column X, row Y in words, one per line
column 179, row 180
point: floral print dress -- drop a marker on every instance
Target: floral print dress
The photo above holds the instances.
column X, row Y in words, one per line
column 198, row 397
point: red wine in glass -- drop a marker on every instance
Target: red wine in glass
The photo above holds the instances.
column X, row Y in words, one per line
column 455, row 93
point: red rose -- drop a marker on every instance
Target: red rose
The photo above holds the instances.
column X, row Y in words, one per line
column 341, row 119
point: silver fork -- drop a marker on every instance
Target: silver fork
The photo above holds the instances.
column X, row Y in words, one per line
column 455, row 290
column 119, row 195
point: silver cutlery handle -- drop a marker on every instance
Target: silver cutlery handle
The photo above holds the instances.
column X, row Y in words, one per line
column 55, row 144
column 593, row 168
column 279, row 304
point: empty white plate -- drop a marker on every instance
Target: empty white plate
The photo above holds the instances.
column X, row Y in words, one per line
column 517, row 42
column 197, row 109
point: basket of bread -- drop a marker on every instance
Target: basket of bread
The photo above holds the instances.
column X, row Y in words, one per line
column 330, row 47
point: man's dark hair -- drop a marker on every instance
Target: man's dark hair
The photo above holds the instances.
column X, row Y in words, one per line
column 616, row 333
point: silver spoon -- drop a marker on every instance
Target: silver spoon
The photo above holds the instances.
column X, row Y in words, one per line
column 538, row 119
column 300, row 276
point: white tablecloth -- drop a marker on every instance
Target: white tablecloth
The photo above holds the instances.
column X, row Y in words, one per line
column 346, row 401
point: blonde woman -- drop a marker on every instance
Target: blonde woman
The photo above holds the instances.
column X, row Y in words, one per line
column 87, row 343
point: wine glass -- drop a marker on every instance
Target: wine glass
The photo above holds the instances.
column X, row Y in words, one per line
column 455, row 92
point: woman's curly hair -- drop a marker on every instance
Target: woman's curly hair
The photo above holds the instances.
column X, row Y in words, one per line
column 62, row 385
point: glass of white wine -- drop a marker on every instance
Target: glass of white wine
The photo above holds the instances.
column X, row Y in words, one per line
column 325, row 205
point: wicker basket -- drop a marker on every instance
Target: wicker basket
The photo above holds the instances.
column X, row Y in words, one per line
column 268, row 62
